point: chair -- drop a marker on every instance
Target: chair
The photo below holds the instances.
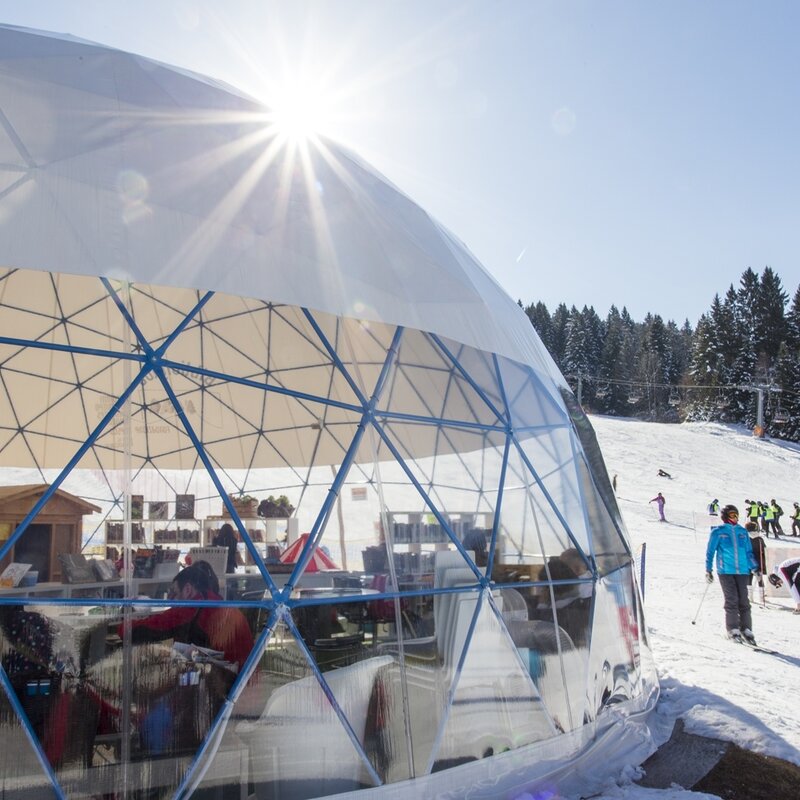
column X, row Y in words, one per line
column 280, row 760
column 450, row 571
column 217, row 557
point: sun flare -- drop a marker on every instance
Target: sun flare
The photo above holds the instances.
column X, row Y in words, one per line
column 300, row 110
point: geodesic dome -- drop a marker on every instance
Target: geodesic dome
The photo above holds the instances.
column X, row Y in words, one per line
column 201, row 319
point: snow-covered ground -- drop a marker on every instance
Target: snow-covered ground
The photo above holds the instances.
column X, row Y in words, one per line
column 719, row 688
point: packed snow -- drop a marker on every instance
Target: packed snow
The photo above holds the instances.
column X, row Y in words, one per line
column 719, row 688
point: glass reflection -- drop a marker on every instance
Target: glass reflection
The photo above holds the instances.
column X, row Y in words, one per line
column 549, row 625
column 615, row 663
column 495, row 705
column 19, row 764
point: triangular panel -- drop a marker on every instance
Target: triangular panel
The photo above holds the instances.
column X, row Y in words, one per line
column 532, row 402
column 20, row 767
column 495, row 705
column 296, row 741
column 425, row 382
column 615, row 661
column 531, row 531
column 549, row 453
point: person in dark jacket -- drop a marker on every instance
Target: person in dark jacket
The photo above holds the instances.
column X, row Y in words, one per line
column 760, row 555
column 730, row 545
column 226, row 537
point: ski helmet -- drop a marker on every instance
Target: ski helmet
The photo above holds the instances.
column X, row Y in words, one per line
column 727, row 511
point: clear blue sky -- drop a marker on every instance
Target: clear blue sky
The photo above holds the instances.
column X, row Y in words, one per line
column 629, row 152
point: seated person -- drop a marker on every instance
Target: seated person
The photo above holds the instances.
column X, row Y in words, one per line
column 573, row 559
column 178, row 720
column 224, row 629
column 572, row 601
column 475, row 541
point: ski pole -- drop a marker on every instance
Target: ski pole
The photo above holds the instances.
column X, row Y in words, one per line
column 694, row 621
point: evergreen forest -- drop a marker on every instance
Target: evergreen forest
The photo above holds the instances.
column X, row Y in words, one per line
column 742, row 353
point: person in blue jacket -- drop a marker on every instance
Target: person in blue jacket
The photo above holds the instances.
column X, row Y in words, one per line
column 730, row 544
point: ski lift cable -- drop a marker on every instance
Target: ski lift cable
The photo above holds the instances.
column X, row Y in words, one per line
column 684, row 386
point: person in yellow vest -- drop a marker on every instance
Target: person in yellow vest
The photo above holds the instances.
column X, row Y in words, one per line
column 769, row 520
column 751, row 509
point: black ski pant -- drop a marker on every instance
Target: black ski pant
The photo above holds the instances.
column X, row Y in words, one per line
column 737, row 603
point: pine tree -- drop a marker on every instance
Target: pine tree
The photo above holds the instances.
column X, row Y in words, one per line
column 787, row 375
column 558, row 333
column 770, row 317
column 614, row 365
column 540, row 319
column 703, row 370
column 793, row 323
column 576, row 350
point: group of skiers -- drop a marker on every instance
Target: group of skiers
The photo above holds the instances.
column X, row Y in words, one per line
column 766, row 516
column 740, row 556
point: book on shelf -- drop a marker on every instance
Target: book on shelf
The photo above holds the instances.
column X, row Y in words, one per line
column 76, row 569
column 104, row 569
column 184, row 506
column 13, row 573
column 158, row 510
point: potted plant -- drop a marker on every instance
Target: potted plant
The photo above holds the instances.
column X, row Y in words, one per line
column 274, row 507
column 245, row 504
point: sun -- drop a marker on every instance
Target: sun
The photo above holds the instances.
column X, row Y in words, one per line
column 300, row 110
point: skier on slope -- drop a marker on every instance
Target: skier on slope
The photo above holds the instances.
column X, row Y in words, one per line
column 713, row 507
column 730, row 544
column 660, row 501
column 788, row 572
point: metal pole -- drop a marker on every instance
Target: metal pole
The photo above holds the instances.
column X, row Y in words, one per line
column 708, row 586
column 580, row 390
column 760, row 408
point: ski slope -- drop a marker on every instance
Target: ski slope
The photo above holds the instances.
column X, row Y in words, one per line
column 719, row 688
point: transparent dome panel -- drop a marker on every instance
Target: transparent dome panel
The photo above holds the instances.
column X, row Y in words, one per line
column 609, row 546
column 361, row 347
column 532, row 400
column 427, row 648
column 494, row 703
column 461, row 482
column 265, row 343
column 304, row 738
column 550, row 625
column 531, row 530
column 425, row 382
column 22, row 769
column 615, row 660
column 551, row 455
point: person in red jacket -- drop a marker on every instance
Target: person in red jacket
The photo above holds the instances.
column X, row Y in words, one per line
column 224, row 629
column 178, row 720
